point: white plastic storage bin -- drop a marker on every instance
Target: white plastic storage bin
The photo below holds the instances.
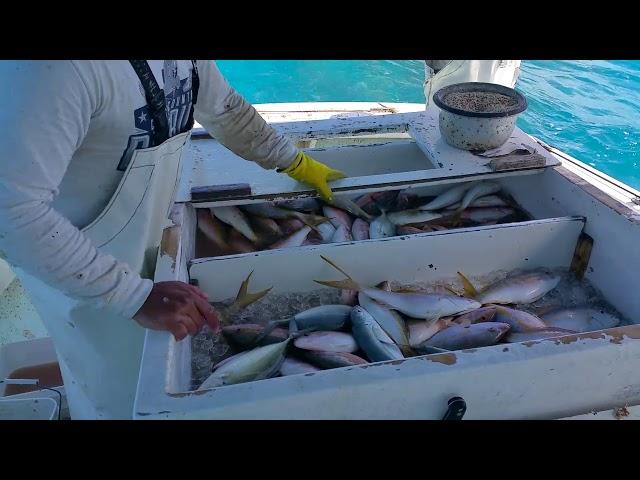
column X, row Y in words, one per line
column 40, row 408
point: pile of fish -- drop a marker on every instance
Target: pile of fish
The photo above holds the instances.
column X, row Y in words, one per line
column 309, row 221
column 392, row 325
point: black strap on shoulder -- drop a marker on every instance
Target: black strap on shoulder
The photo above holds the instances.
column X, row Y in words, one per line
column 155, row 100
column 195, row 86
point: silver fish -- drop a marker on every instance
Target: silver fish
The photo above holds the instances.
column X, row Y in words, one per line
column 449, row 197
column 517, row 337
column 457, row 337
column 327, row 342
column 294, row 240
column 326, row 231
column 341, row 235
column 360, row 229
column 581, row 319
column 422, row 330
column 233, row 216
column 333, row 359
column 482, row 202
column 231, row 358
column 322, row 317
column 337, row 217
column 257, row 364
column 382, row 227
column 519, row 320
column 520, row 289
column 484, row 215
column 429, row 306
column 351, row 207
column 293, row 366
column 479, row 190
column 372, row 338
column 407, row 217
column 391, row 322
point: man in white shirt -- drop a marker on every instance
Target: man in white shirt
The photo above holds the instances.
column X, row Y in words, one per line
column 70, row 130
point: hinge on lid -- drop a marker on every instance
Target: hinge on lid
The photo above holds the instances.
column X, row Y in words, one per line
column 582, row 255
column 517, row 162
column 220, row 192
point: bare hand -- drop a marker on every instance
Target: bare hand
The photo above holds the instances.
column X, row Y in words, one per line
column 177, row 307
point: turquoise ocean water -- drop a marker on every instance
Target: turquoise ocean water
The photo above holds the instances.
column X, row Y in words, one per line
column 589, row 108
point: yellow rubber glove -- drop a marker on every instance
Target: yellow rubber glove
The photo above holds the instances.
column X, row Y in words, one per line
column 306, row 169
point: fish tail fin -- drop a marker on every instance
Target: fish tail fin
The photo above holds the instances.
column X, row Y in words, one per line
column 469, row 289
column 244, row 298
column 451, row 290
column 456, row 218
column 268, row 329
column 407, row 351
column 300, row 333
column 346, row 284
column 293, row 326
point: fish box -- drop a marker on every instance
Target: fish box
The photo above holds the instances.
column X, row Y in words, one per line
column 386, row 155
column 566, row 229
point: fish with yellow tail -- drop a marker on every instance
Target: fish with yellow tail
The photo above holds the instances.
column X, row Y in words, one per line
column 429, row 306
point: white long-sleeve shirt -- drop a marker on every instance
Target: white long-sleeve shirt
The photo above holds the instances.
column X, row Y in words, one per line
column 68, row 131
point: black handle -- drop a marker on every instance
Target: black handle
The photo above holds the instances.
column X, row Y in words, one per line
column 456, row 409
column 220, row 192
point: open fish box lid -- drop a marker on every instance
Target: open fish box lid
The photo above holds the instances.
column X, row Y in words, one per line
column 376, row 152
